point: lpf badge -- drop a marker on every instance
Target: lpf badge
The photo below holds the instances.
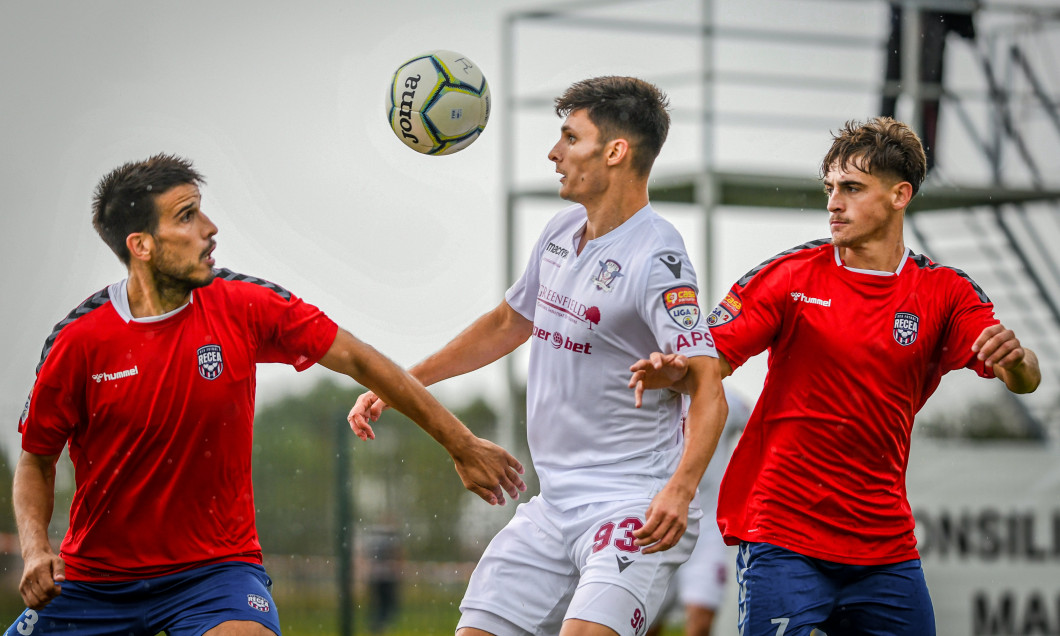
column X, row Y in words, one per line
column 906, row 326
column 682, row 305
column 726, row 311
column 211, row 364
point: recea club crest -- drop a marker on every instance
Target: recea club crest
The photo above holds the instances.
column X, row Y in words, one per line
column 906, row 326
column 211, row 363
column 258, row 602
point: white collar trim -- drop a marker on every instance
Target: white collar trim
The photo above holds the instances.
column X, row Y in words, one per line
column 119, row 298
column 872, row 272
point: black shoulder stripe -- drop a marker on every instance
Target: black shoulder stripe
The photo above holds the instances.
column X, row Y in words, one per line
column 227, row 274
column 798, row 248
column 95, row 301
column 924, row 262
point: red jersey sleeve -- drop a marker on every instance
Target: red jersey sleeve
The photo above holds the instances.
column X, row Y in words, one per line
column 286, row 328
column 746, row 322
column 56, row 403
column 972, row 312
column 301, row 335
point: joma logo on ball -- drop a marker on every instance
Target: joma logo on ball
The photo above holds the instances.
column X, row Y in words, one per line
column 405, row 112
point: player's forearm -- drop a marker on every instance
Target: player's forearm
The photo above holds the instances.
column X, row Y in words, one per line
column 703, row 428
column 33, row 498
column 1024, row 377
column 407, row 395
column 704, row 422
column 396, row 387
column 488, row 339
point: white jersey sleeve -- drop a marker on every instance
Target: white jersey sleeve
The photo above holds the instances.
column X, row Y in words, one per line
column 671, row 305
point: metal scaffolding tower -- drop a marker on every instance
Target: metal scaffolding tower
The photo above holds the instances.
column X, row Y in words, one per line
column 755, row 86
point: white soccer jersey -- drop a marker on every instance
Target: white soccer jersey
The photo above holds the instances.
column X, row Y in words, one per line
column 629, row 293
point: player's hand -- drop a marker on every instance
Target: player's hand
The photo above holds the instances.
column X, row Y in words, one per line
column 1013, row 364
column 41, row 578
column 664, row 522
column 367, row 409
column 659, row 371
column 489, row 471
column 998, row 346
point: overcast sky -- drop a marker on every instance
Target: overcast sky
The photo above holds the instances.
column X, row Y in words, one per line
column 281, row 106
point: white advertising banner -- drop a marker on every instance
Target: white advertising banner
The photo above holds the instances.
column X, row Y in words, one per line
column 988, row 531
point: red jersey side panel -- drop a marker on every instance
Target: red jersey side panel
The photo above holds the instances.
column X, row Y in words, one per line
column 159, row 420
column 853, row 356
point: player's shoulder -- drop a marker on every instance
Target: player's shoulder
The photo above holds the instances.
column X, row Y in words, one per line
column 660, row 231
column 945, row 275
column 82, row 319
column 810, row 253
column 569, row 218
column 227, row 283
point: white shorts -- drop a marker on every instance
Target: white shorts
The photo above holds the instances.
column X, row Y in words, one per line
column 548, row 565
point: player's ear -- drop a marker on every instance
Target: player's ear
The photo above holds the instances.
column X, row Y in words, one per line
column 616, row 151
column 140, row 245
column 901, row 195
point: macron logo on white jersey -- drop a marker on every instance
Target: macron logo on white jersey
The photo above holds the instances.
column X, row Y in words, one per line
column 107, row 377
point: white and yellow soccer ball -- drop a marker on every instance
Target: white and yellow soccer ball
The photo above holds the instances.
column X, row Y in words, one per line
column 439, row 102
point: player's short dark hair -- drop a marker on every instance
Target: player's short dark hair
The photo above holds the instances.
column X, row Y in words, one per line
column 881, row 146
column 624, row 107
column 124, row 201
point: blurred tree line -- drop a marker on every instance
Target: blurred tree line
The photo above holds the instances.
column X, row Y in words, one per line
column 405, row 477
column 402, row 478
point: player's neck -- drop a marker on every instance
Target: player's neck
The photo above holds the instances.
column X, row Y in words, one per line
column 612, row 209
column 148, row 298
column 882, row 256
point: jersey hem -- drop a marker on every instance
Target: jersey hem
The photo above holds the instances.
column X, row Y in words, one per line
column 825, row 556
column 86, row 575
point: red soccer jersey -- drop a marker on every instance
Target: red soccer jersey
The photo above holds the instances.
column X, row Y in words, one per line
column 159, row 419
column 853, row 355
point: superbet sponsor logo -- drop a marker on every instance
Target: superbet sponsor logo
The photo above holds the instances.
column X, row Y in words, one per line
column 684, row 341
column 559, row 341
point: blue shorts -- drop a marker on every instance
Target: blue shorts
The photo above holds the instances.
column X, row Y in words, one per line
column 783, row 593
column 183, row 604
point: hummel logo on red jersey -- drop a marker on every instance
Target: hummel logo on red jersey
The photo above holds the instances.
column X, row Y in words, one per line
column 797, row 296
column 101, row 377
column 623, row 562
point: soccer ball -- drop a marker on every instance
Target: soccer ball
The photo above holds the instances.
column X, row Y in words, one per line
column 439, row 103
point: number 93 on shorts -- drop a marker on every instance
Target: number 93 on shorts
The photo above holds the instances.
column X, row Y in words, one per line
column 548, row 565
